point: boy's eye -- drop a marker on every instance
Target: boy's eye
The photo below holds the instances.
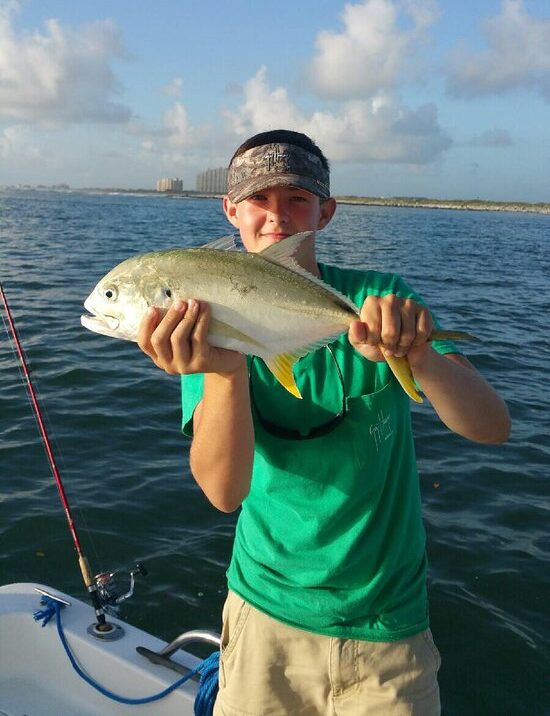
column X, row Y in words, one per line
column 257, row 197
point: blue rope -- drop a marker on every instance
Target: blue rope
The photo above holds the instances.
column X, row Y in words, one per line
column 208, row 669
column 47, row 613
column 208, row 685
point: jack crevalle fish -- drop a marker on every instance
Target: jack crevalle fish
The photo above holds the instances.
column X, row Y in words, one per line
column 262, row 304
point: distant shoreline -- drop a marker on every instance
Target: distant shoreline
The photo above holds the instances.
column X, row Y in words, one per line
column 395, row 202
column 458, row 204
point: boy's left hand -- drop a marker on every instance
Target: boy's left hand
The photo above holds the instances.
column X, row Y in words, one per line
column 390, row 325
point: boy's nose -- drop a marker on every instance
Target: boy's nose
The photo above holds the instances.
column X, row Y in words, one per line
column 278, row 211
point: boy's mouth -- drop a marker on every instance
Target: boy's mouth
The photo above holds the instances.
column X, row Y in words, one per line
column 275, row 235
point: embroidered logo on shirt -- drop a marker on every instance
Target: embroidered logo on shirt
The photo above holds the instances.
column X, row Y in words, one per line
column 381, row 430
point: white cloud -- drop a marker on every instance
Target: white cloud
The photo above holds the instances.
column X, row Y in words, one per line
column 370, row 53
column 174, row 88
column 179, row 134
column 517, row 56
column 177, row 124
column 263, row 108
column 379, row 129
column 359, row 69
column 60, row 75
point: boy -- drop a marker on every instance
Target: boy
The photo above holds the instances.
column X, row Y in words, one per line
column 327, row 606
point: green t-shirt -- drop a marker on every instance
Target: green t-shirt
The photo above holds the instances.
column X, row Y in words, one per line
column 330, row 537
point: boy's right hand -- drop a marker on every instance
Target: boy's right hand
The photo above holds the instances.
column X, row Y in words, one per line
column 176, row 341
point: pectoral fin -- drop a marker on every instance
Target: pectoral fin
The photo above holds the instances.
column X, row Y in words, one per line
column 281, row 367
column 224, row 330
column 402, row 371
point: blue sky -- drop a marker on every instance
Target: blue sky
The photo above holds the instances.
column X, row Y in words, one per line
column 406, row 97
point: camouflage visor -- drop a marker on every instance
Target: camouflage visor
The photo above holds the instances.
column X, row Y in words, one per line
column 276, row 165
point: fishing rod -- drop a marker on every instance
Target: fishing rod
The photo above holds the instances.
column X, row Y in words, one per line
column 101, row 588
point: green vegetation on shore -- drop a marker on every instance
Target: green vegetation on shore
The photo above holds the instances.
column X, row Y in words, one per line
column 469, row 204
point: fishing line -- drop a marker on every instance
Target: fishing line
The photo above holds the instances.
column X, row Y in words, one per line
column 52, row 436
column 37, row 411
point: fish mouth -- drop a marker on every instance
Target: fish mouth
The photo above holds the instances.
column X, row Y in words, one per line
column 104, row 324
column 100, row 324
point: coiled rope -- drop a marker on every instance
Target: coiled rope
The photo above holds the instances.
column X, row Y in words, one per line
column 208, row 669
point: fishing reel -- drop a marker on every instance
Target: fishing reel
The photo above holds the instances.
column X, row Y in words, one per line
column 109, row 589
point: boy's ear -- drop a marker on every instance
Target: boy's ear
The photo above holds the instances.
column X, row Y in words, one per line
column 328, row 207
column 230, row 210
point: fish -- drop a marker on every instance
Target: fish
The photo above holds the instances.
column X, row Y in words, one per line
column 263, row 304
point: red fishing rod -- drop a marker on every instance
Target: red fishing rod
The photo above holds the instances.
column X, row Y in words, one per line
column 82, row 561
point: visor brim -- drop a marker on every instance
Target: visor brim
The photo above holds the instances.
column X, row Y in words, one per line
column 251, row 186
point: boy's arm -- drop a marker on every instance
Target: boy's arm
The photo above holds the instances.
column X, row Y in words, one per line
column 223, row 444
column 222, row 450
column 462, row 398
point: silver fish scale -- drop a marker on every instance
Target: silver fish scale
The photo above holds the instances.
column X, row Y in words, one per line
column 249, row 272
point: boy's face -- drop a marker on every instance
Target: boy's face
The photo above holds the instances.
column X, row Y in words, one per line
column 275, row 213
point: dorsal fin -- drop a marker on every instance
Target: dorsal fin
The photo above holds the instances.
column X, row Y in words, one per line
column 225, row 243
column 283, row 253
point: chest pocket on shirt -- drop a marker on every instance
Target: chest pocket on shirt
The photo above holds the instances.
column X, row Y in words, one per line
column 376, row 423
column 354, row 457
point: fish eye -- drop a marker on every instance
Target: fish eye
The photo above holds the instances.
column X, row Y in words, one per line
column 168, row 293
column 110, row 293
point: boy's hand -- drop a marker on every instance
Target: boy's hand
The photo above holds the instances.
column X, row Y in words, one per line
column 390, row 325
column 176, row 341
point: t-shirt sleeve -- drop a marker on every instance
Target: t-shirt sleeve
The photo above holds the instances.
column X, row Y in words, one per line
column 192, row 387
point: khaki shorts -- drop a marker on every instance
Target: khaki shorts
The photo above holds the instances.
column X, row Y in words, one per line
column 270, row 669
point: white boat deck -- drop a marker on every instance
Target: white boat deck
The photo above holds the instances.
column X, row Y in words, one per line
column 37, row 678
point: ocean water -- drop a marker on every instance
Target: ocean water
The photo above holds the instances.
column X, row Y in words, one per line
column 114, row 419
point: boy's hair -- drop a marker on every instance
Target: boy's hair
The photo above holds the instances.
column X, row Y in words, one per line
column 282, row 136
column 279, row 157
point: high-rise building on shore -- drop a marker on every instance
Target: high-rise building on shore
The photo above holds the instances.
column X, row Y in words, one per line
column 170, row 185
column 212, row 181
